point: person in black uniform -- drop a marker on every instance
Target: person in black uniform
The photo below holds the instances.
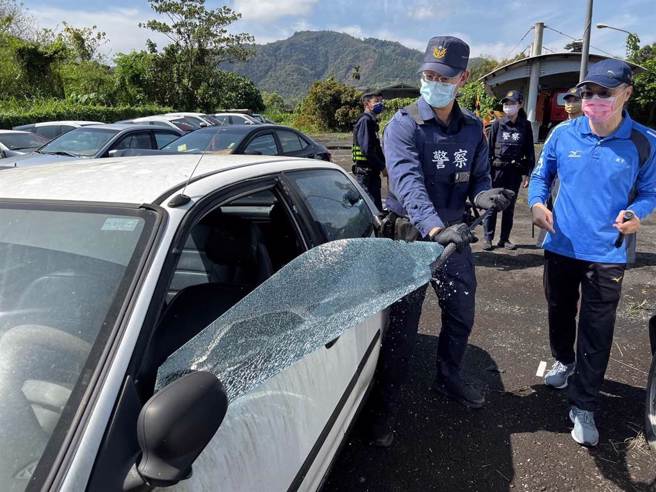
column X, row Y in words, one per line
column 512, row 157
column 368, row 158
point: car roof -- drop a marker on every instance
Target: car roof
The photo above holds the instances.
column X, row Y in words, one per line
column 140, row 179
column 120, row 126
column 68, row 122
column 15, row 131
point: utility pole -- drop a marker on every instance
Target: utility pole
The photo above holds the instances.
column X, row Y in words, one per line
column 534, row 81
column 586, row 42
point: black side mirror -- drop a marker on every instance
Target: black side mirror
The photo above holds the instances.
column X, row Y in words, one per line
column 3, row 154
column 174, row 427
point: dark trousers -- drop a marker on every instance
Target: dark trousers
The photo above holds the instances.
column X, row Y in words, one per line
column 509, row 178
column 370, row 181
column 600, row 288
column 456, row 292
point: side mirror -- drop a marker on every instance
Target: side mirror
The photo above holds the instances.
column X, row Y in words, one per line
column 174, row 427
column 252, row 152
column 113, row 153
column 3, row 154
column 204, row 125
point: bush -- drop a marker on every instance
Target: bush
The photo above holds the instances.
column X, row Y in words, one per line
column 329, row 105
column 17, row 112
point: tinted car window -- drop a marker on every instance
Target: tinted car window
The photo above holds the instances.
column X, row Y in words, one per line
column 49, row 132
column 336, row 205
column 290, row 141
column 223, row 120
column 264, row 145
column 215, row 139
column 134, row 141
column 18, row 141
column 164, row 138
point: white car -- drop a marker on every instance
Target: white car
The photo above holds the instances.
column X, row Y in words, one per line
column 52, row 129
column 236, row 119
column 109, row 267
column 186, row 124
column 202, row 118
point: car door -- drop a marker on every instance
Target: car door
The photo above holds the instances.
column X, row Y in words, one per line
column 338, row 210
column 134, row 140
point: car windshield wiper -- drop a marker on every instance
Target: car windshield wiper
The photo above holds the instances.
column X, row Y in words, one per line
column 61, row 152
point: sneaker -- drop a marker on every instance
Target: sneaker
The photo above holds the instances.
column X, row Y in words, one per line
column 585, row 431
column 507, row 245
column 559, row 374
column 487, row 245
column 464, row 393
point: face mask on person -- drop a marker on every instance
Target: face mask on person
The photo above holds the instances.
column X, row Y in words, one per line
column 511, row 109
column 438, row 94
column 599, row 110
column 378, row 107
column 573, row 107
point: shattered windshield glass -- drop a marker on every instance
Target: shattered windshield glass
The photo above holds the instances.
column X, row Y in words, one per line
column 305, row 305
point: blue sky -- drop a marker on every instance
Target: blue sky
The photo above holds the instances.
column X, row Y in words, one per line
column 490, row 27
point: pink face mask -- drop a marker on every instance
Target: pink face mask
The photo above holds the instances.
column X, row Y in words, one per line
column 598, row 109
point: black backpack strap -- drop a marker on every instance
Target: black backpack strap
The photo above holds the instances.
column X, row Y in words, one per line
column 412, row 110
column 642, row 145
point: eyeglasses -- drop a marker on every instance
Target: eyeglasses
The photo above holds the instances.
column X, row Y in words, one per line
column 602, row 92
column 436, row 77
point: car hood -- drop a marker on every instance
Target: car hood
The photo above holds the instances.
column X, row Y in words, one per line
column 34, row 159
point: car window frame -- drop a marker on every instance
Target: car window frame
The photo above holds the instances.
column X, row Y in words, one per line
column 130, row 134
column 300, row 139
column 164, row 130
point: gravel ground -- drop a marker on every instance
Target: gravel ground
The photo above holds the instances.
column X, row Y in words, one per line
column 520, row 440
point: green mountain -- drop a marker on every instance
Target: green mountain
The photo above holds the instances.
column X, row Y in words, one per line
column 290, row 66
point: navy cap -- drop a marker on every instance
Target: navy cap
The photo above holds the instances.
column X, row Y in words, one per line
column 609, row 74
column 573, row 92
column 446, row 55
column 514, row 96
column 369, row 94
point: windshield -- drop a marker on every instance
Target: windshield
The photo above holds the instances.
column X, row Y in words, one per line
column 19, row 141
column 211, row 119
column 63, row 277
column 221, row 139
column 192, row 122
column 81, row 142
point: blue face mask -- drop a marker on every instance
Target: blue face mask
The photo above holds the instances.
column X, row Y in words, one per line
column 438, row 94
column 378, row 108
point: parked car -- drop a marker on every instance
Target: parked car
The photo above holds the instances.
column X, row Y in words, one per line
column 112, row 271
column 243, row 139
column 95, row 141
column 18, row 143
column 236, row 119
column 181, row 123
column 261, row 118
column 201, row 118
column 52, row 129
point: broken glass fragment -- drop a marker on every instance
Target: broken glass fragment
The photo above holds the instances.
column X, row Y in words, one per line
column 309, row 302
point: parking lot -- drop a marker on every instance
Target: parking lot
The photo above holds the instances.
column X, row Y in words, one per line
column 520, row 440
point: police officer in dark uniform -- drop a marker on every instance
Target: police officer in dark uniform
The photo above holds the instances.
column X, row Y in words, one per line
column 436, row 157
column 512, row 157
column 368, row 158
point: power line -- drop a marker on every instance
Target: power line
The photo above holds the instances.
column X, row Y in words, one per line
column 518, row 43
column 579, row 39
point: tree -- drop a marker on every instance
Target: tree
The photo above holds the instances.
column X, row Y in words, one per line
column 200, row 41
column 83, row 43
column 632, row 46
column 574, row 46
column 329, row 105
column 474, row 98
column 273, row 102
column 642, row 105
column 355, row 75
column 14, row 21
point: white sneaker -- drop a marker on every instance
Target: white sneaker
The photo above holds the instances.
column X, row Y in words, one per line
column 559, row 374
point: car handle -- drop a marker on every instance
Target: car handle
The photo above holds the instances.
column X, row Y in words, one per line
column 332, row 343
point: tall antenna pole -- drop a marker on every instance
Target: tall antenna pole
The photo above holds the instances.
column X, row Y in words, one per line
column 586, row 42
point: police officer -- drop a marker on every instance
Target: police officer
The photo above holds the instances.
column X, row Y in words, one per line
column 606, row 164
column 436, row 156
column 573, row 104
column 512, row 157
column 368, row 158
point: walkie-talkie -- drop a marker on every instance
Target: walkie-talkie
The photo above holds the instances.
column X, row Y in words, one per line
column 628, row 215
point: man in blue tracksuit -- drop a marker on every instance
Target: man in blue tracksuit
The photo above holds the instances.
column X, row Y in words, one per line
column 436, row 157
column 606, row 164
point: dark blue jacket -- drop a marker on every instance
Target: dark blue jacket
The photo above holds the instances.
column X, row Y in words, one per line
column 367, row 152
column 433, row 168
column 511, row 144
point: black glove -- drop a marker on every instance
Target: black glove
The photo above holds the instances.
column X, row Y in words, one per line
column 458, row 234
column 498, row 198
